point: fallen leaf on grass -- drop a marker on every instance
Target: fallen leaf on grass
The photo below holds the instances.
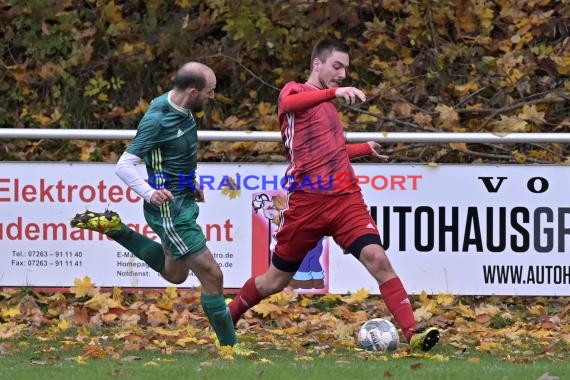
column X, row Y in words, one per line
column 95, row 352
column 38, row 362
column 130, row 358
column 357, row 297
column 416, row 366
column 80, row 359
column 4, row 348
column 483, row 319
column 10, row 330
column 547, row 376
column 82, row 287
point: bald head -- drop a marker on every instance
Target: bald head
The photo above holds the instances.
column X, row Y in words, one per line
column 193, row 75
column 194, row 86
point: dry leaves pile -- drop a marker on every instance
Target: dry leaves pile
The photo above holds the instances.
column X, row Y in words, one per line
column 112, row 323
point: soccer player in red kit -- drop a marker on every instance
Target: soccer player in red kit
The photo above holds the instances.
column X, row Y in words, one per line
column 314, row 138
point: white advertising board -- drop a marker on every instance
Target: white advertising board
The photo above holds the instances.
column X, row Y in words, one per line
column 460, row 229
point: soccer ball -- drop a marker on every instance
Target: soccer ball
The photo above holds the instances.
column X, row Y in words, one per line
column 378, row 334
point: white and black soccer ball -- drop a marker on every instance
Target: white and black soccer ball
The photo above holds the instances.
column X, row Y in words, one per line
column 378, row 334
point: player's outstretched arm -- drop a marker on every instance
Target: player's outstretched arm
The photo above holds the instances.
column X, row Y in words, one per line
column 376, row 149
column 351, row 95
column 370, row 148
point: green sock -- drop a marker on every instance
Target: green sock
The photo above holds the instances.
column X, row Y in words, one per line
column 219, row 316
column 142, row 247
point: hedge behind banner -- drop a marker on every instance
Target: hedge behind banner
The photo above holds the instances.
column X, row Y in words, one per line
column 454, row 66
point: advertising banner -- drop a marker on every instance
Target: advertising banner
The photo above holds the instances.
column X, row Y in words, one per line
column 460, row 229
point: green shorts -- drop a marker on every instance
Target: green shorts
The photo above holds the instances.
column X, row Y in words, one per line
column 175, row 224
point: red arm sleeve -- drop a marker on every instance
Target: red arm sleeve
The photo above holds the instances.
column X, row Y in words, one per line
column 305, row 100
column 358, row 150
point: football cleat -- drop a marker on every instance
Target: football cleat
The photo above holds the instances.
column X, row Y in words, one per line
column 96, row 221
column 425, row 339
column 237, row 349
column 240, row 350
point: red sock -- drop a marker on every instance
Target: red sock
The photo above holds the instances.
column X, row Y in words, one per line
column 247, row 297
column 396, row 298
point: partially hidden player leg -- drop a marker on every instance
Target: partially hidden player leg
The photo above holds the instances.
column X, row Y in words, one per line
column 208, row 272
column 175, row 270
column 257, row 288
column 109, row 223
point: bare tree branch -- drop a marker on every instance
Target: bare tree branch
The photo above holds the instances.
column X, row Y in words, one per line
column 562, row 99
column 250, row 72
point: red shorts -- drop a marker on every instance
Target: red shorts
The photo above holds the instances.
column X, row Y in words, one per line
column 309, row 217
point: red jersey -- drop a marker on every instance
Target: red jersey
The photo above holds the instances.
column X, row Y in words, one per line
column 314, row 138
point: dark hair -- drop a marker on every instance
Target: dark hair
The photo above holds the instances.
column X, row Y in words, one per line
column 189, row 78
column 324, row 48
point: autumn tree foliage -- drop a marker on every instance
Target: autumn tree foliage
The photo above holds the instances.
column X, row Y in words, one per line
column 436, row 65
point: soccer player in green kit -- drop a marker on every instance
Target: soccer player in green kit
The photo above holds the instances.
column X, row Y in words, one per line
column 166, row 141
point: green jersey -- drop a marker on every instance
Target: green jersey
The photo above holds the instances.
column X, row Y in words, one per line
column 167, row 141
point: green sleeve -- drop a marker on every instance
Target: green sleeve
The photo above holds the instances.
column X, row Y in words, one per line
column 146, row 138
